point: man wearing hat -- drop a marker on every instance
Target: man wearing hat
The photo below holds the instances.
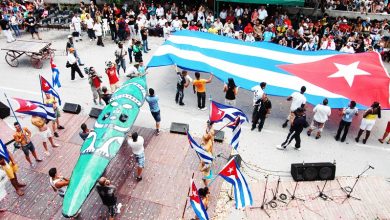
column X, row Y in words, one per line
column 72, row 63
column 70, row 44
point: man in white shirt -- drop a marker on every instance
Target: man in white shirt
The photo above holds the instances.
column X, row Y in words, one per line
column 153, row 22
column 238, row 12
column 218, row 25
column 76, row 24
column 160, row 11
column 298, row 100
column 176, row 24
column 223, row 15
column 162, row 21
column 258, row 91
column 143, row 18
column 263, row 14
column 321, row 115
column 228, row 27
column 136, row 144
column 347, row 48
column 189, row 16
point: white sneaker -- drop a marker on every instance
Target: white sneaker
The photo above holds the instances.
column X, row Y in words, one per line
column 203, row 109
column 298, row 149
column 118, row 208
column 47, row 153
column 279, row 147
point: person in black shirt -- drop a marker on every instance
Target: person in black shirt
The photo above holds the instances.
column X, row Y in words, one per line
column 107, row 192
column 113, row 28
column 106, row 96
column 31, row 24
column 295, row 130
column 181, row 84
column 144, row 35
column 262, row 109
column 5, row 27
column 131, row 24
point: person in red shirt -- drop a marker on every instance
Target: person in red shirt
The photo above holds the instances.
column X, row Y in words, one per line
column 287, row 21
column 248, row 29
column 230, row 17
column 95, row 82
column 112, row 76
column 344, row 27
column 193, row 26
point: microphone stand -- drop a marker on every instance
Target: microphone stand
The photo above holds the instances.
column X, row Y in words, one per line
column 321, row 193
column 275, row 198
column 262, row 207
column 349, row 190
column 292, row 196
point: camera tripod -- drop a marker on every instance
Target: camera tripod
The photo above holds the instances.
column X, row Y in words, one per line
column 262, row 207
column 292, row 196
column 349, row 190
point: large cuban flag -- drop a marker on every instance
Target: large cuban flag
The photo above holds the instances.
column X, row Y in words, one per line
column 337, row 76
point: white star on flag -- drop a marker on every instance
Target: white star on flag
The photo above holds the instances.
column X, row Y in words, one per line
column 230, row 170
column 348, row 72
column 219, row 112
column 194, row 193
column 46, row 85
column 28, row 104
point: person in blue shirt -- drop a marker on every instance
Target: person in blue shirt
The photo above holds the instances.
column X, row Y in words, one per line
column 268, row 35
column 346, row 120
column 152, row 100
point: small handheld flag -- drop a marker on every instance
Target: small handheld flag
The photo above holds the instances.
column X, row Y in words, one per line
column 35, row 108
column 232, row 174
column 4, row 151
column 203, row 154
column 47, row 88
column 55, row 74
column 220, row 111
column 196, row 203
column 236, row 126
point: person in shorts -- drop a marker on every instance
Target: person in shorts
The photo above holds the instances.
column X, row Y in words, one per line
column 22, row 139
column 31, row 24
column 44, row 131
column 95, row 82
column 368, row 121
column 387, row 131
column 136, row 144
column 49, row 99
column 152, row 100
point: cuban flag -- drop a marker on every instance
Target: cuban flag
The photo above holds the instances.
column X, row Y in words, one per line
column 196, row 203
column 236, row 127
column 205, row 156
column 338, row 76
column 220, row 111
column 232, row 174
column 55, row 74
column 35, row 108
column 3, row 151
column 47, row 88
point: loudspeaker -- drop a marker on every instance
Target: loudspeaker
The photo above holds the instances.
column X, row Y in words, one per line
column 95, row 112
column 237, row 158
column 179, row 128
column 313, row 171
column 219, row 136
column 4, row 111
column 72, row 108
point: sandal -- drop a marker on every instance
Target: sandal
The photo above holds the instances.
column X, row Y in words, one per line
column 380, row 140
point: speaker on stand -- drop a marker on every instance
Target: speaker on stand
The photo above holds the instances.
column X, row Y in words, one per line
column 5, row 111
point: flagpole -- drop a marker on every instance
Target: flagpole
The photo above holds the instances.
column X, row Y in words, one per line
column 40, row 83
column 188, row 194
column 224, row 126
column 13, row 113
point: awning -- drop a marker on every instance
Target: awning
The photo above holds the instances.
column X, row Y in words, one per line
column 270, row 2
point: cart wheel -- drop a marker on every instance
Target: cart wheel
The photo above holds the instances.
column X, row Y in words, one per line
column 36, row 62
column 11, row 59
column 283, row 196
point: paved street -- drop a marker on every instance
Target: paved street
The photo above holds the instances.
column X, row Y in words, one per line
column 255, row 148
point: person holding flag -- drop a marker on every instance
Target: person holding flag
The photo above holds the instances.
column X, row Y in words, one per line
column 10, row 168
column 208, row 137
column 44, row 131
column 47, row 88
column 199, row 201
column 49, row 99
column 232, row 174
column 22, row 139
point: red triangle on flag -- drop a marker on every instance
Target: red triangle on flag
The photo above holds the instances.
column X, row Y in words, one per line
column 360, row 77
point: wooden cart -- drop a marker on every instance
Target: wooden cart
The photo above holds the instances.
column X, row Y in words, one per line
column 36, row 50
